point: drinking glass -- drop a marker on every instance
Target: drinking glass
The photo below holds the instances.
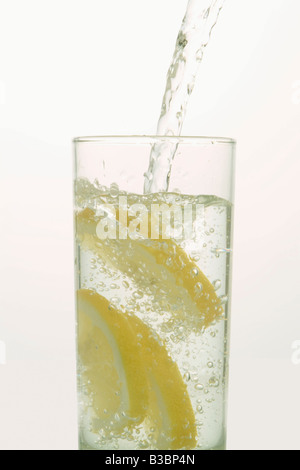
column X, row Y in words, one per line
column 153, row 290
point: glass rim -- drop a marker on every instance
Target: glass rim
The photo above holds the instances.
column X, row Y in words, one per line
column 133, row 139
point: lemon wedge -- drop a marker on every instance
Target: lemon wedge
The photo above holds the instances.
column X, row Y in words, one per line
column 187, row 292
column 109, row 359
column 170, row 414
column 188, row 275
column 128, row 373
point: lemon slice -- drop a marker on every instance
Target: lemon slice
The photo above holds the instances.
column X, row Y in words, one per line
column 187, row 292
column 109, row 359
column 128, row 373
column 170, row 414
column 188, row 275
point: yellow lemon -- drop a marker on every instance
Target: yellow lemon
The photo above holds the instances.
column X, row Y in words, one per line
column 109, row 360
column 170, row 414
column 156, row 267
column 128, row 372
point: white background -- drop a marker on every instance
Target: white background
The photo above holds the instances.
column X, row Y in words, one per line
column 77, row 67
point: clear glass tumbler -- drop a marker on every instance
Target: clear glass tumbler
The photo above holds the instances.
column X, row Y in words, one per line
column 153, row 280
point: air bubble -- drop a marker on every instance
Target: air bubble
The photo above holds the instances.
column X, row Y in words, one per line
column 187, row 376
column 199, row 387
column 138, row 295
column 217, row 284
column 114, row 190
column 199, row 288
column 194, row 377
column 195, row 272
column 210, row 400
column 224, row 299
column 214, row 382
